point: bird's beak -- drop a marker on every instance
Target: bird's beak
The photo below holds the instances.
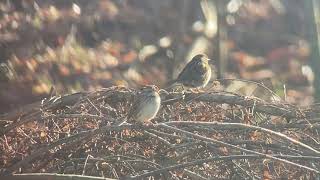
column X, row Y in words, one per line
column 209, row 59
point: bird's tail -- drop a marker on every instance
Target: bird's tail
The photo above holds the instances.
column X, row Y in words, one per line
column 170, row 84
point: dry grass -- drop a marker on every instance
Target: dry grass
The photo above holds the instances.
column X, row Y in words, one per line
column 206, row 135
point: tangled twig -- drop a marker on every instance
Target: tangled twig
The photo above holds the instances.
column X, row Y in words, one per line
column 78, row 134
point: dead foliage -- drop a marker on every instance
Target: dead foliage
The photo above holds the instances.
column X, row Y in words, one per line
column 194, row 136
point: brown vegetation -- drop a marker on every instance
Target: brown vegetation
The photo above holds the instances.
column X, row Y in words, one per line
column 203, row 135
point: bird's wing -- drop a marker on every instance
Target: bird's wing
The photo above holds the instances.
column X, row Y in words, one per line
column 135, row 107
column 185, row 70
column 192, row 66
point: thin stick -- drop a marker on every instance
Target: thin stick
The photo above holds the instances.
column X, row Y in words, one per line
column 77, row 137
column 244, row 126
column 210, row 140
column 85, row 165
column 41, row 176
column 218, row 158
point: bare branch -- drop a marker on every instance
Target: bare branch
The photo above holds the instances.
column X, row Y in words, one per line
column 222, row 125
column 218, row 158
column 41, row 176
column 214, row 141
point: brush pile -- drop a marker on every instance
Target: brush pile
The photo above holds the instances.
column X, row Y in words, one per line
column 205, row 135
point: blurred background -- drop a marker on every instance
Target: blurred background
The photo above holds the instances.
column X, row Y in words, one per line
column 78, row 45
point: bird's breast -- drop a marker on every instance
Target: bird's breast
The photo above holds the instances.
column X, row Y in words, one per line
column 150, row 110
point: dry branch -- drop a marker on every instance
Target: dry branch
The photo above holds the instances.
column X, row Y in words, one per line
column 231, row 126
column 202, row 161
column 41, row 176
column 275, row 109
column 214, row 141
column 57, row 134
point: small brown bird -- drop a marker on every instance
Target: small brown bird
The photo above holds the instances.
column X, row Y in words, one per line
column 146, row 105
column 196, row 74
